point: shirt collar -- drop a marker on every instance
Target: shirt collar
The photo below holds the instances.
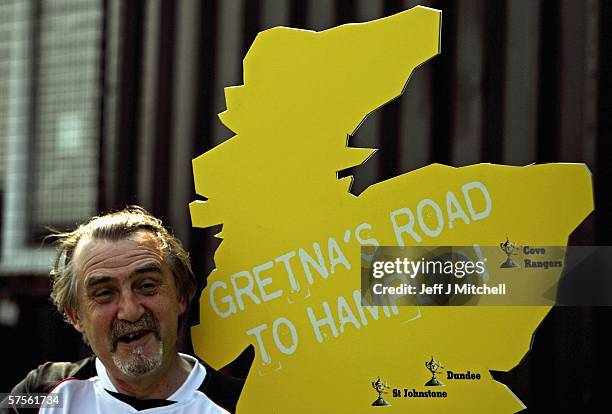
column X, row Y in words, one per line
column 184, row 392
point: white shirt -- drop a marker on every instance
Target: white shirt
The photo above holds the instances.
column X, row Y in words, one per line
column 92, row 395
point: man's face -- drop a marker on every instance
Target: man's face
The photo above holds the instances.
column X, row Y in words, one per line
column 128, row 304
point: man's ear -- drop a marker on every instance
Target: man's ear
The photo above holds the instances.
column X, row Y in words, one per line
column 182, row 305
column 73, row 316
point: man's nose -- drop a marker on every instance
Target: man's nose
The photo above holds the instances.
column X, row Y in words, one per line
column 130, row 308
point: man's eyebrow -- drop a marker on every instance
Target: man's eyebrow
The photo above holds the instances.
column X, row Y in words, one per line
column 148, row 268
column 96, row 280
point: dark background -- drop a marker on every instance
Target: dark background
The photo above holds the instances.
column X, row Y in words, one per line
column 103, row 103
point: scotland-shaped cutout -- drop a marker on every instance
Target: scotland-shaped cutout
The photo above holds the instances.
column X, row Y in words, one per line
column 287, row 275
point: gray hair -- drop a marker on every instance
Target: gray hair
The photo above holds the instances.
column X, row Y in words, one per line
column 114, row 227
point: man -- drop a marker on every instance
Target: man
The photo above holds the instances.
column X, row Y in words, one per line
column 123, row 281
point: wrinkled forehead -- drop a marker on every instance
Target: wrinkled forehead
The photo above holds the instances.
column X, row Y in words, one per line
column 141, row 245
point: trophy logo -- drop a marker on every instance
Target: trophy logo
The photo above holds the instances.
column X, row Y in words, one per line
column 381, row 388
column 509, row 248
column 434, row 367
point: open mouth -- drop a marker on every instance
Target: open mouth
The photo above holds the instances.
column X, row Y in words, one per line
column 136, row 333
column 132, row 336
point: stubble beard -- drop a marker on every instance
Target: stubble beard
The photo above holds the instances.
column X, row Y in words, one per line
column 137, row 364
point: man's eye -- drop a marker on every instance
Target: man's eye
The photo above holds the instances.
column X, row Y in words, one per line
column 103, row 294
column 148, row 287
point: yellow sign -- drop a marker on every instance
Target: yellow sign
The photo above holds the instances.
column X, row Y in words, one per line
column 287, row 275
